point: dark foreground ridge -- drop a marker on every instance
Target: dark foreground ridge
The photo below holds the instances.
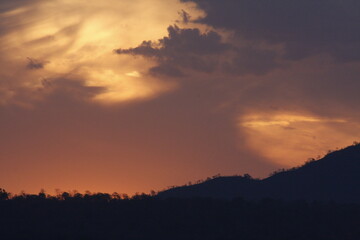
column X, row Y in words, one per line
column 102, row 217
column 225, row 208
column 336, row 177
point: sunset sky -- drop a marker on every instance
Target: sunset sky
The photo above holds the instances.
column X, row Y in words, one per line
column 129, row 96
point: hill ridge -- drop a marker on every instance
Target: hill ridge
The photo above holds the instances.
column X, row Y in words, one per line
column 335, row 177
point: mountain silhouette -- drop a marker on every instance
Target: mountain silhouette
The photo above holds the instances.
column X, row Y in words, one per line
column 223, row 208
column 335, row 177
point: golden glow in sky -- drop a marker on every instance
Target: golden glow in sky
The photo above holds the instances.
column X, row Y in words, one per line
column 109, row 95
column 75, row 41
column 289, row 139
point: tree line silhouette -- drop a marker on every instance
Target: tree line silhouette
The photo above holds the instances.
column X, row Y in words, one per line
column 73, row 215
column 92, row 216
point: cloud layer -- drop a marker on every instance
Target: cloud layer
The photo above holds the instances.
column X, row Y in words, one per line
column 304, row 28
column 190, row 49
column 193, row 88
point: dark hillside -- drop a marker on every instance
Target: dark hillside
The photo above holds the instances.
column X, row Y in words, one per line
column 220, row 187
column 336, row 177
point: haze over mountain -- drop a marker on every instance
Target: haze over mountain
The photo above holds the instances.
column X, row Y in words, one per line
column 335, row 177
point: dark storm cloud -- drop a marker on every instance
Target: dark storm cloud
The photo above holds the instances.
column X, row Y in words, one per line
column 34, row 64
column 186, row 48
column 190, row 49
column 305, row 28
column 185, row 16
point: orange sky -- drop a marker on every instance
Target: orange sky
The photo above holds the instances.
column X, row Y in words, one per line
column 130, row 96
